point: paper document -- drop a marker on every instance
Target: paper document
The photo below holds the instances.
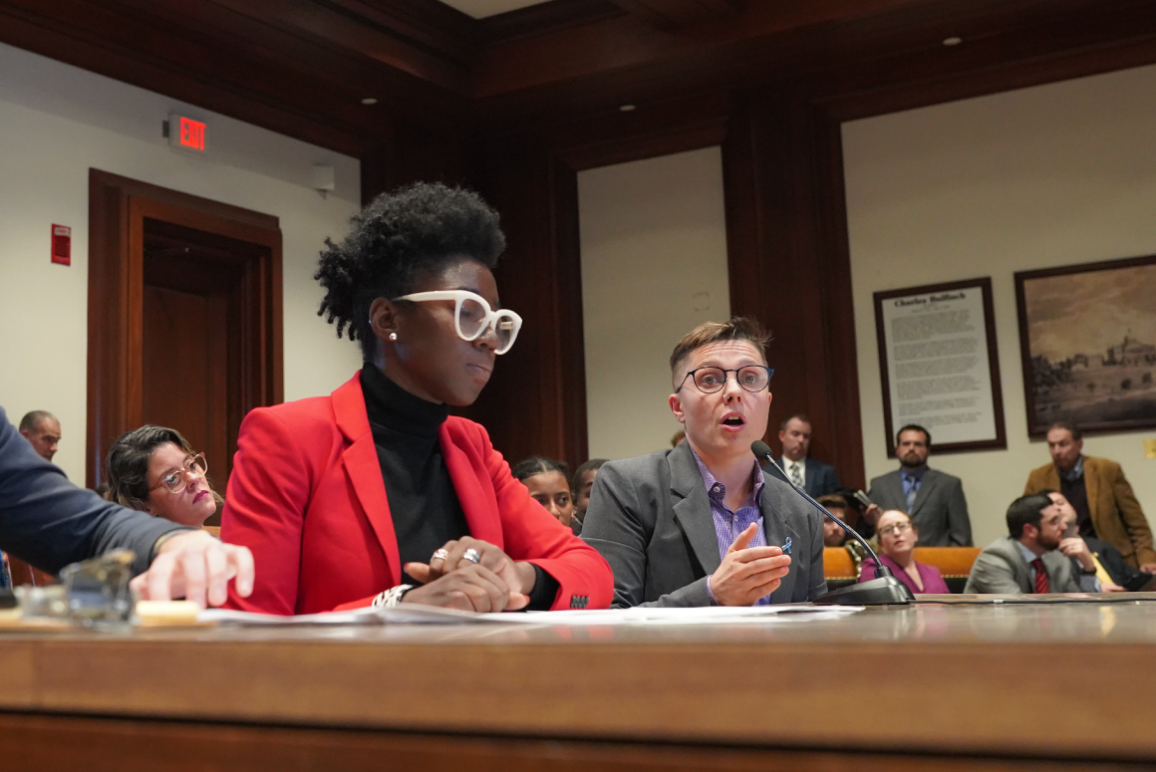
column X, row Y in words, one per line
column 413, row 613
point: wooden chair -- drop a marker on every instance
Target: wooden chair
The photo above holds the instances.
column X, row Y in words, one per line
column 953, row 562
column 23, row 573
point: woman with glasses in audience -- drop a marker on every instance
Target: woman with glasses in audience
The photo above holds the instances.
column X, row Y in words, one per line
column 897, row 538
column 153, row 469
column 375, row 494
column 549, row 485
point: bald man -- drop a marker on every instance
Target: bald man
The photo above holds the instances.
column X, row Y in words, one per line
column 43, row 430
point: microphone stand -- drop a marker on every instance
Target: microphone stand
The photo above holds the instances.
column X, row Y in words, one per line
column 883, row 590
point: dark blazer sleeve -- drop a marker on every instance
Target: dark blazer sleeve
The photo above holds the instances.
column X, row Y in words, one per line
column 958, row 521
column 828, row 480
column 47, row 521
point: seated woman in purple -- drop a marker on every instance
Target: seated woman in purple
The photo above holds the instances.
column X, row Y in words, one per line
column 897, row 537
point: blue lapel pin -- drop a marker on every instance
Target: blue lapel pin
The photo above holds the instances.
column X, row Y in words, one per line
column 787, row 546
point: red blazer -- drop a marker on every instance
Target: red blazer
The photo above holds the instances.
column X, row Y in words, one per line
column 306, row 495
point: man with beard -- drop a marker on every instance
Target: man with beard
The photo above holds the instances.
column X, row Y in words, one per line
column 932, row 499
column 1035, row 557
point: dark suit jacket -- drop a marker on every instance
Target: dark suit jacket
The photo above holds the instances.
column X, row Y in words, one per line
column 650, row 518
column 47, row 521
column 819, row 478
column 1115, row 512
column 940, row 511
column 1001, row 570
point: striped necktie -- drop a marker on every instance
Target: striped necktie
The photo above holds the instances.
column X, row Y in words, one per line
column 1042, row 586
column 796, row 478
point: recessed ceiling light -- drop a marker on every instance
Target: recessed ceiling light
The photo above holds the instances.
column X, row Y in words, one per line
column 952, row 41
column 628, row 108
column 369, row 101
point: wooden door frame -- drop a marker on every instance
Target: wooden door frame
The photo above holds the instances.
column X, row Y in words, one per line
column 118, row 207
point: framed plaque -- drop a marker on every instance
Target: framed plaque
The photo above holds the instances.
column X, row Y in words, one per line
column 1088, row 342
column 939, row 365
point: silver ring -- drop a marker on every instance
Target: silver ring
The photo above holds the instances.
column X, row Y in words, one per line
column 440, row 554
column 472, row 555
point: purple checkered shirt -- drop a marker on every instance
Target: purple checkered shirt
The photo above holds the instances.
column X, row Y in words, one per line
column 728, row 524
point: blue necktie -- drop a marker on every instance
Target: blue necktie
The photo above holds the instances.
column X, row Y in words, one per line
column 911, row 483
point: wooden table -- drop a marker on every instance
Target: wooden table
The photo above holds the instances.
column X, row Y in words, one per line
column 1008, row 687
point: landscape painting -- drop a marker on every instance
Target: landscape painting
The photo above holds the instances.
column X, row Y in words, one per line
column 1088, row 336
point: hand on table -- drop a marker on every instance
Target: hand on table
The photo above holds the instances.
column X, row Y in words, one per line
column 495, row 583
column 748, row 573
column 198, row 567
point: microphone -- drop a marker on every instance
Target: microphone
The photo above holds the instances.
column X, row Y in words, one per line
column 884, row 589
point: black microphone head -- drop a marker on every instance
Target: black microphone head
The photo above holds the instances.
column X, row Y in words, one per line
column 760, row 448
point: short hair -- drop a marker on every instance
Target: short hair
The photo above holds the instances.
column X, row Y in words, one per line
column 33, row 418
column 528, row 467
column 736, row 328
column 833, row 501
column 415, row 231
column 914, row 428
column 593, row 464
column 1075, row 430
column 127, row 464
column 801, row 416
column 1026, row 510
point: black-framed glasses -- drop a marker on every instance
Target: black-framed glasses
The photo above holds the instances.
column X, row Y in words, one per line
column 176, row 480
column 709, row 380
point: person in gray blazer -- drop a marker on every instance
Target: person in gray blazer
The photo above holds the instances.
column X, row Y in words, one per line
column 49, row 522
column 700, row 524
column 812, row 475
column 934, row 500
column 1035, row 556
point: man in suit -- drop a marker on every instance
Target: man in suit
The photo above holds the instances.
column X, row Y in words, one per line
column 49, row 522
column 1034, row 556
column 1105, row 505
column 813, row 476
column 1114, row 573
column 934, row 500
column 42, row 429
column 700, row 524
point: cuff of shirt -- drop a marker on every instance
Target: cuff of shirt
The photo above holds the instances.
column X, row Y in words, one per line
column 710, row 593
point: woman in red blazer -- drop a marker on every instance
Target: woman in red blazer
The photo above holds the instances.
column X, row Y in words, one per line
column 374, row 494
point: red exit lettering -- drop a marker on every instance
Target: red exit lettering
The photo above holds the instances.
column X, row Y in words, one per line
column 192, row 134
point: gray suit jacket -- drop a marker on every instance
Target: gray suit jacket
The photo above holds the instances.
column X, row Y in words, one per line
column 49, row 522
column 1001, row 570
column 940, row 511
column 650, row 518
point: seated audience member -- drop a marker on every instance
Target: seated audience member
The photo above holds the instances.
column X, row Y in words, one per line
column 43, row 430
column 1105, row 504
column 833, row 535
column 700, row 524
column 897, row 538
column 48, row 522
column 546, row 479
column 582, row 483
column 155, row 470
column 810, row 474
column 677, row 438
column 375, row 493
column 1033, row 557
column 934, row 499
column 1112, row 570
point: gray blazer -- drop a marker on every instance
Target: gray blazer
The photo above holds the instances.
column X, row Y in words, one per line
column 49, row 522
column 1000, row 569
column 650, row 518
column 940, row 511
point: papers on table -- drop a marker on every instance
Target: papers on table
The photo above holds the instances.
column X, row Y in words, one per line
column 418, row 614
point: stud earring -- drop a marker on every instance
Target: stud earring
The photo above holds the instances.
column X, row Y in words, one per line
column 393, row 336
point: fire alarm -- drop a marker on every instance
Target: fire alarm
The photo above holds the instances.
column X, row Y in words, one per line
column 62, row 244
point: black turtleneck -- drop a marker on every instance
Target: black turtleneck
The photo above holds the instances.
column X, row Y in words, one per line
column 422, row 501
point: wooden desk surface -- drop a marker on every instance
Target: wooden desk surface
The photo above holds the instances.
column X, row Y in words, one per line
column 1051, row 680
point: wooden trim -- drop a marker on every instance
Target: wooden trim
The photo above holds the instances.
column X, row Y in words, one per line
column 996, row 384
column 118, row 208
column 545, row 18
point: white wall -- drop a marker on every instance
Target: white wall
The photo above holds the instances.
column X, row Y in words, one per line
column 1048, row 176
column 654, row 265
column 56, row 121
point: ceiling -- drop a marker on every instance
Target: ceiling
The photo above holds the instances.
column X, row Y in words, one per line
column 480, row 9
column 304, row 67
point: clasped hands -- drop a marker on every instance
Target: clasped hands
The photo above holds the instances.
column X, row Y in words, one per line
column 495, row 583
column 748, row 573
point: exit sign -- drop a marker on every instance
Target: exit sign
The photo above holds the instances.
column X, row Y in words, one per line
column 188, row 133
